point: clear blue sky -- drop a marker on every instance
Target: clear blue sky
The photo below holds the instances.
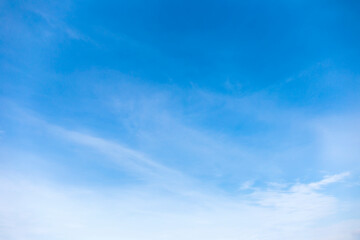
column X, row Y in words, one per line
column 180, row 119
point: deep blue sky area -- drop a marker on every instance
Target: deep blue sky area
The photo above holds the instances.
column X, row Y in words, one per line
column 253, row 43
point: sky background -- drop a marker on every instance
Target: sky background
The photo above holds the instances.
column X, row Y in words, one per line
column 216, row 120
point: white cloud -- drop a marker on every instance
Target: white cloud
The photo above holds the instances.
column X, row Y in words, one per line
column 36, row 210
column 247, row 185
column 318, row 185
column 32, row 209
column 327, row 180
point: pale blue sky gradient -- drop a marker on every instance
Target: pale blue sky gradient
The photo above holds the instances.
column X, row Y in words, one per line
column 179, row 120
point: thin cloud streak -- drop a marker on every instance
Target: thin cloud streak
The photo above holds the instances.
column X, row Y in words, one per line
column 132, row 160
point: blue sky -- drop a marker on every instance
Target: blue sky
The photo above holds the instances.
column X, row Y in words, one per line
column 179, row 120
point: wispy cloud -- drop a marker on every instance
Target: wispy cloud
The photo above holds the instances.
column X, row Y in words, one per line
column 34, row 210
column 168, row 204
column 54, row 18
column 131, row 160
column 123, row 119
column 327, row 180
